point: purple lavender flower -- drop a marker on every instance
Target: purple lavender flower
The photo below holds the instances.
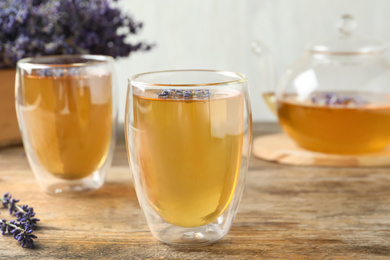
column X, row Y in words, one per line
column 9, row 202
column 187, row 94
column 47, row 27
column 6, row 199
column 20, row 232
column 26, row 215
column 164, row 94
column 3, row 226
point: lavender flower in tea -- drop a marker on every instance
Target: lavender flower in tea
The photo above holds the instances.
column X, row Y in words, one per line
column 337, row 99
column 178, row 93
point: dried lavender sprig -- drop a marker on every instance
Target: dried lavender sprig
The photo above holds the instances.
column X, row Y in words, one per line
column 21, row 232
column 21, row 228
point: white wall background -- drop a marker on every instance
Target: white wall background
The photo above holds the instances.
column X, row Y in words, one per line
column 217, row 34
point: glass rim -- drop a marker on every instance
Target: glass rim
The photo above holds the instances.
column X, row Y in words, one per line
column 239, row 78
column 85, row 61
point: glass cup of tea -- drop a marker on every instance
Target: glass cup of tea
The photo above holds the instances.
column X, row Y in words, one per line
column 67, row 115
column 188, row 135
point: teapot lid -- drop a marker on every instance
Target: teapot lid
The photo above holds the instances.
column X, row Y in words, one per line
column 347, row 42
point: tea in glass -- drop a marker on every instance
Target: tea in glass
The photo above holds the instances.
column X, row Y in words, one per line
column 66, row 111
column 69, row 122
column 188, row 140
column 191, row 159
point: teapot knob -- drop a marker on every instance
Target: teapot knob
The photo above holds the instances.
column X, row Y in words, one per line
column 347, row 25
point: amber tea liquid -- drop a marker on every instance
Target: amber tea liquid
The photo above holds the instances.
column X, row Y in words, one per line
column 189, row 153
column 337, row 129
column 69, row 120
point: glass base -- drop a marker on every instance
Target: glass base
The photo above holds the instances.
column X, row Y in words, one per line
column 196, row 236
column 74, row 187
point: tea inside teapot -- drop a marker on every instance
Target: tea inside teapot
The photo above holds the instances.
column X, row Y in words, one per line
column 343, row 122
column 336, row 97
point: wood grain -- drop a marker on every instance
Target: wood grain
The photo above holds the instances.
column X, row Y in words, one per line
column 287, row 212
column 282, row 149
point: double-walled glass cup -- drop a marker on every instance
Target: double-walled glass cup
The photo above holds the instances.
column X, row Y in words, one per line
column 188, row 135
column 67, row 116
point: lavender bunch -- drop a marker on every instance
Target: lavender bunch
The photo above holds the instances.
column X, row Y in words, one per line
column 47, row 27
column 21, row 228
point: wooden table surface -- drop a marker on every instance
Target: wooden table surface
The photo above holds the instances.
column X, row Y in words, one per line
column 286, row 212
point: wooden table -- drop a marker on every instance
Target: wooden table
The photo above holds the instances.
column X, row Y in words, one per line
column 286, row 212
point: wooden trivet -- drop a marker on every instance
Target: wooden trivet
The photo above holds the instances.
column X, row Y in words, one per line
column 282, row 149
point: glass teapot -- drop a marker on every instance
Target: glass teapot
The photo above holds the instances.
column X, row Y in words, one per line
column 336, row 97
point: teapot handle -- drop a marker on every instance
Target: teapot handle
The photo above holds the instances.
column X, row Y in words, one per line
column 267, row 73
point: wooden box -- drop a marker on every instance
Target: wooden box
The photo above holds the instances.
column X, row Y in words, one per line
column 9, row 129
